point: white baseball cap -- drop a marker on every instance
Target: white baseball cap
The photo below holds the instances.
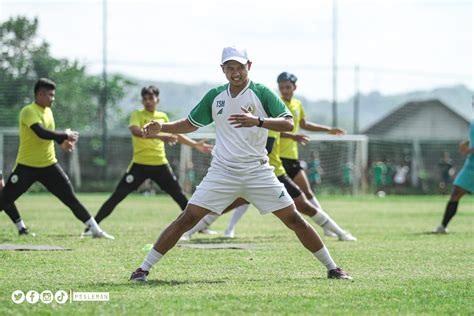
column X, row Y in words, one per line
column 234, row 53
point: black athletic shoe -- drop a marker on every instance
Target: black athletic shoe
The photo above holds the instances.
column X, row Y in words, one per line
column 139, row 275
column 338, row 273
column 26, row 232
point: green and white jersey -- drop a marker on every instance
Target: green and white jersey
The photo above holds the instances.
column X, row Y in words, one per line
column 236, row 147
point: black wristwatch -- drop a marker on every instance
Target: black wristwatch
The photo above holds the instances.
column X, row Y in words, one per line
column 260, row 121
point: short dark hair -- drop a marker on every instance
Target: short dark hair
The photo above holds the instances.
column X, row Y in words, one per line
column 150, row 90
column 44, row 84
column 286, row 76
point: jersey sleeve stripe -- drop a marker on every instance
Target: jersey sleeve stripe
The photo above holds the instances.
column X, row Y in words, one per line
column 193, row 122
column 285, row 114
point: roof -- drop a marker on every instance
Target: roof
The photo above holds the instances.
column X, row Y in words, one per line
column 405, row 111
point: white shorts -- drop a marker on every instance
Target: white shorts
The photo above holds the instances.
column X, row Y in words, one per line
column 260, row 187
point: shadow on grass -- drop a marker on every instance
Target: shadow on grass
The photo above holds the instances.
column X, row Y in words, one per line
column 212, row 240
column 159, row 283
column 64, row 236
column 203, row 282
column 430, row 233
column 237, row 240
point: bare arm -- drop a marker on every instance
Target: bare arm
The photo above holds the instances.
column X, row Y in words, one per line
column 300, row 138
column 182, row 126
column 201, row 145
column 136, row 131
column 170, row 139
column 247, row 119
column 310, row 126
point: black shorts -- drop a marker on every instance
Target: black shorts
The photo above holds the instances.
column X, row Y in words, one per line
column 52, row 177
column 163, row 175
column 292, row 167
column 293, row 190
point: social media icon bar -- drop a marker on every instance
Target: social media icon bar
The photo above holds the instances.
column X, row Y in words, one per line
column 61, row 296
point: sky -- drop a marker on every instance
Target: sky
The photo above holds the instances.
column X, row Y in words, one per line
column 399, row 45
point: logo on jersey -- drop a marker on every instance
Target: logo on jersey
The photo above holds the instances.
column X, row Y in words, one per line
column 220, row 105
column 129, row 178
column 250, row 107
column 14, row 179
column 282, row 194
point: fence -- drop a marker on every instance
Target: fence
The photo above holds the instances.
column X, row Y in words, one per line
column 348, row 164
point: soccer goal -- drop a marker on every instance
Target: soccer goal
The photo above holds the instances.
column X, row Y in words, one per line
column 334, row 164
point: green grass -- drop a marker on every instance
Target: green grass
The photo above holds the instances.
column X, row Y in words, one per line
column 398, row 268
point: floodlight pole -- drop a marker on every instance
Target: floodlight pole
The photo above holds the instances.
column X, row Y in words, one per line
column 104, row 88
column 356, row 100
column 334, row 63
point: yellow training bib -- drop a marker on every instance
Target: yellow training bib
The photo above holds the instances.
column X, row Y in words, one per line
column 34, row 151
column 288, row 147
column 148, row 151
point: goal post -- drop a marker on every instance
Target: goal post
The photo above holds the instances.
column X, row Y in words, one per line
column 342, row 161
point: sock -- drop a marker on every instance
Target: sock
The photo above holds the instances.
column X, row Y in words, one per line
column 204, row 223
column 450, row 211
column 323, row 220
column 315, row 202
column 20, row 224
column 93, row 226
column 236, row 216
column 151, row 258
column 325, row 258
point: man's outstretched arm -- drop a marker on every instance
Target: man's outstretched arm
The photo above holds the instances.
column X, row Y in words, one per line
column 59, row 137
column 182, row 126
column 310, row 126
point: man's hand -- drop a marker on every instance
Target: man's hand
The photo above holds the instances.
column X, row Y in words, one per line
column 151, row 129
column 170, row 139
column 72, row 136
column 68, row 146
column 300, row 138
column 245, row 119
column 336, row 131
column 203, row 147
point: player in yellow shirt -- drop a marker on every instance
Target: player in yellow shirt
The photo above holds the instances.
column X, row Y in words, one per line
column 36, row 159
column 149, row 157
column 289, row 141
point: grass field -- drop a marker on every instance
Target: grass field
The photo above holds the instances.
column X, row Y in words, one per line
column 398, row 268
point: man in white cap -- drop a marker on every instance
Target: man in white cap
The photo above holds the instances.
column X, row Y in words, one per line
column 243, row 112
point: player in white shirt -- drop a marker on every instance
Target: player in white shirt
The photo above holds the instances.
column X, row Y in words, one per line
column 243, row 111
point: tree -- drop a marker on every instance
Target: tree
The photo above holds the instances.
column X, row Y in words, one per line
column 25, row 58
